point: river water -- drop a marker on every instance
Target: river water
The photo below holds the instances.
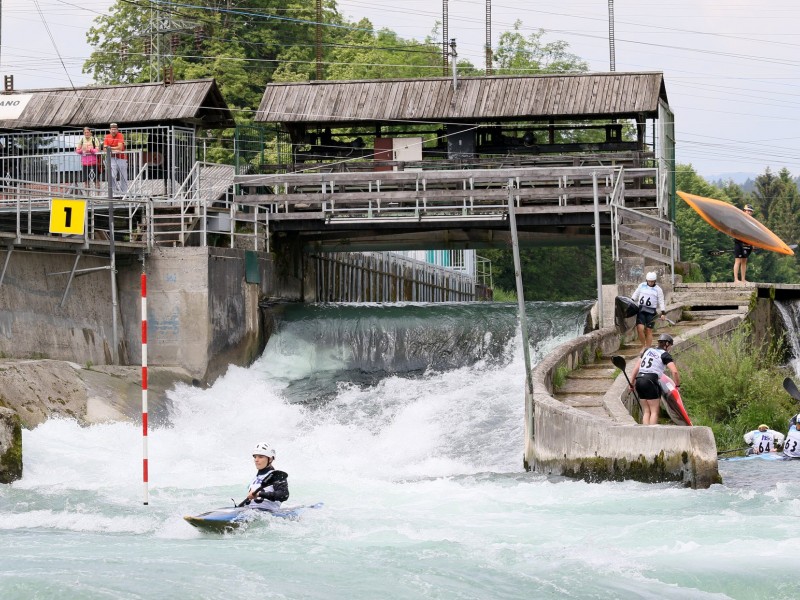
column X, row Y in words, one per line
column 406, row 421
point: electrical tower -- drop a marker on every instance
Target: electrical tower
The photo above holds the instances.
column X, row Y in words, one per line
column 445, row 38
column 488, row 37
column 611, row 51
column 319, row 40
column 159, row 48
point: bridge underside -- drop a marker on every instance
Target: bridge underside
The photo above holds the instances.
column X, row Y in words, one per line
column 543, row 229
column 441, row 236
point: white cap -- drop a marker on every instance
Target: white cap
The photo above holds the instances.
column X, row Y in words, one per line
column 651, row 276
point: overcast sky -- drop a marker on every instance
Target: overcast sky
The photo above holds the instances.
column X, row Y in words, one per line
column 730, row 66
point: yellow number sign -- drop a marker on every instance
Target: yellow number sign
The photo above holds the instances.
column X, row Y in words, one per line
column 67, row 216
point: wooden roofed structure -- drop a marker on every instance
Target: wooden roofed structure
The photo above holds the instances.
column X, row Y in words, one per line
column 477, row 118
column 496, row 98
column 197, row 102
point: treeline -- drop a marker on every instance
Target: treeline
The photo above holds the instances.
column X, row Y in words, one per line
column 776, row 200
column 246, row 47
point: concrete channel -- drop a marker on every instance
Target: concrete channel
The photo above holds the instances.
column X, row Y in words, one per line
column 583, row 427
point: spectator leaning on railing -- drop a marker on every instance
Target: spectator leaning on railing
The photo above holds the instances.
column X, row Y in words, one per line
column 88, row 148
column 119, row 162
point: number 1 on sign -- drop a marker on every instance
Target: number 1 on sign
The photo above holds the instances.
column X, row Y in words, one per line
column 67, row 216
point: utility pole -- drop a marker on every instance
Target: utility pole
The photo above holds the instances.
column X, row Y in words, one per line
column 611, row 50
column 454, row 56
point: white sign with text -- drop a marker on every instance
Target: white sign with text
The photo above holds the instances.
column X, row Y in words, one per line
column 12, row 105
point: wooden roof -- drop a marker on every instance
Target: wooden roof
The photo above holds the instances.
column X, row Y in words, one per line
column 587, row 95
column 197, row 102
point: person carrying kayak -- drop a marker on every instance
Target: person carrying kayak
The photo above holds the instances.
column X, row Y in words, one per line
column 763, row 439
column 791, row 447
column 646, row 374
column 650, row 298
column 269, row 484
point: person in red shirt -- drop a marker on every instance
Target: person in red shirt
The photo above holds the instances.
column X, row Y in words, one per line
column 119, row 160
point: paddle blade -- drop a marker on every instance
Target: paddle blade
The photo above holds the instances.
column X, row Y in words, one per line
column 791, row 389
column 619, row 362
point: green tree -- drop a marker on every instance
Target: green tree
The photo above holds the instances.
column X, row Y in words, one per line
column 241, row 47
column 517, row 54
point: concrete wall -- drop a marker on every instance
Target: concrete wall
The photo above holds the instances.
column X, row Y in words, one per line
column 34, row 324
column 202, row 313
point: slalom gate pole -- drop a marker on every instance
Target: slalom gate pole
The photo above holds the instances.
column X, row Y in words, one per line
column 144, row 386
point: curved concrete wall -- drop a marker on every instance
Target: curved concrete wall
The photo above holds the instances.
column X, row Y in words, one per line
column 561, row 440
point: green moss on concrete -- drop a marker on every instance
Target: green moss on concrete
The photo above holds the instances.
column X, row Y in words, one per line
column 11, row 460
column 655, row 470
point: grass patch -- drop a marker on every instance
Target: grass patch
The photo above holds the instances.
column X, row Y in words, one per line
column 560, row 376
column 501, row 295
column 732, row 387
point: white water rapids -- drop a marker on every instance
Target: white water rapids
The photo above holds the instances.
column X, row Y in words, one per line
column 425, row 497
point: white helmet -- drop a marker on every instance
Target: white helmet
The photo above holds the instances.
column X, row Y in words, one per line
column 264, row 449
column 651, row 276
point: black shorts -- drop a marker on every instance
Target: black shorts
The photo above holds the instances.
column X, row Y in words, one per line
column 89, row 173
column 648, row 319
column 741, row 250
column 647, row 386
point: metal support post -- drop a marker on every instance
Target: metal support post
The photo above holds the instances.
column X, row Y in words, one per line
column 112, row 250
column 599, row 262
column 523, row 321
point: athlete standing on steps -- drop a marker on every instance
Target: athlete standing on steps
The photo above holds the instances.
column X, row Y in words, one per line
column 650, row 298
column 647, row 373
column 741, row 252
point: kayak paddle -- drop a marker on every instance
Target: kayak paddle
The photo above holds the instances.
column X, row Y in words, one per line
column 732, row 450
column 721, row 252
column 791, row 388
column 619, row 362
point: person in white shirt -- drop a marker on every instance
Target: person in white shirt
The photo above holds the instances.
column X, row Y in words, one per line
column 791, row 447
column 646, row 374
column 763, row 439
column 650, row 298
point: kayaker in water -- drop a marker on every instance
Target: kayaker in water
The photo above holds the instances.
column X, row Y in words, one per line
column 268, row 484
column 646, row 374
column 791, row 447
column 650, row 298
column 763, row 439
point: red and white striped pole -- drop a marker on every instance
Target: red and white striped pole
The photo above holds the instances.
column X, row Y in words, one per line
column 144, row 385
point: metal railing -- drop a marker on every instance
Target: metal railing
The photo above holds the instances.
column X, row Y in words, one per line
column 48, row 161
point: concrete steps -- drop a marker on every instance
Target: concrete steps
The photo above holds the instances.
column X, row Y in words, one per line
column 585, row 388
column 713, row 295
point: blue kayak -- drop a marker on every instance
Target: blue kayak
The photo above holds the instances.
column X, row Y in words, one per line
column 222, row 520
column 763, row 456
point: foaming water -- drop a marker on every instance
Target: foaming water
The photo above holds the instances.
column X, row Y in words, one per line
column 420, row 470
